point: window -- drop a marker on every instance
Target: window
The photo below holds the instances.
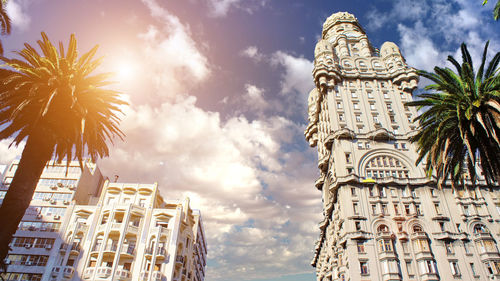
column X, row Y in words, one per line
column 418, row 210
column 354, row 94
column 407, row 209
column 348, row 157
column 355, row 208
column 427, row 267
column 421, row 245
column 385, row 245
column 473, row 269
column 467, row 247
column 480, row 228
column 367, row 145
column 357, row 224
column 449, row 247
column 355, row 105
column 361, row 246
column 371, row 192
column 382, row 192
column 458, row 227
column 369, row 94
column 455, row 271
column 375, row 119
column 392, row 118
column 384, row 209
column 437, row 209
column 441, row 226
column 383, row 228
column 363, row 265
column 466, row 211
column 386, row 95
column 374, row 209
column 396, row 208
column 341, row 117
column 414, row 193
column 404, row 245
column 410, row 269
column 339, row 105
column 358, row 118
column 353, row 191
column 417, row 228
column 372, row 106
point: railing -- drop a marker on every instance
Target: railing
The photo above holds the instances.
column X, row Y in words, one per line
column 68, row 271
column 103, row 272
column 122, row 273
column 88, row 272
column 111, row 248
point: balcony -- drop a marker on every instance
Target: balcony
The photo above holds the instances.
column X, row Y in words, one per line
column 68, row 272
column 96, row 248
column 75, row 248
column 103, row 272
column 144, row 276
column 87, row 274
column 56, row 270
column 161, row 252
column 111, row 248
column 158, row 276
column 482, row 235
column 123, row 274
column 128, row 250
column 132, row 229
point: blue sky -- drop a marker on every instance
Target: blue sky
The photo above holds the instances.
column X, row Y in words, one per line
column 217, row 92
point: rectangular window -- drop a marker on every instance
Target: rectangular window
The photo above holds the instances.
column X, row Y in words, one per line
column 369, row 94
column 363, row 265
column 407, row 209
column 358, row 118
column 374, row 209
column 386, row 95
column 341, row 117
column 404, row 245
column 372, row 106
column 418, row 211
column 355, row 208
column 410, row 269
column 449, row 247
column 384, row 209
column 361, row 246
column 348, row 157
column 466, row 210
column 355, row 105
column 382, row 192
column 441, row 226
column 455, row 271
column 396, row 208
column 473, row 269
column 392, row 118
column 357, row 224
column 339, row 105
column 375, row 119
column 437, row 209
column 353, row 191
column 354, row 94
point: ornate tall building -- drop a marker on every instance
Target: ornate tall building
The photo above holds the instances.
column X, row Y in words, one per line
column 383, row 218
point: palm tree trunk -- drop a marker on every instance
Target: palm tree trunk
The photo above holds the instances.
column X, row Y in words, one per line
column 36, row 153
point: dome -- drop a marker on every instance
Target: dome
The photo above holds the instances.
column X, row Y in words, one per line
column 389, row 48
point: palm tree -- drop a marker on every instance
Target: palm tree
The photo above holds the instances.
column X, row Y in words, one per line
column 5, row 25
column 496, row 10
column 52, row 102
column 460, row 127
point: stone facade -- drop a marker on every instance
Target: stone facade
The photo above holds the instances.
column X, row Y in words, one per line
column 383, row 218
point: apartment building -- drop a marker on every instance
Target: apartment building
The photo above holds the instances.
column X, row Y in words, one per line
column 383, row 219
column 38, row 236
column 132, row 233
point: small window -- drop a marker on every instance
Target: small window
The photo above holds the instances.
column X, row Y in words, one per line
column 369, row 94
column 361, row 246
column 355, row 105
column 339, row 105
column 417, row 227
column 341, row 117
column 372, row 106
column 358, row 118
column 348, row 157
column 357, row 224
column 353, row 191
column 383, row 228
column 355, row 208
column 455, row 271
column 363, row 265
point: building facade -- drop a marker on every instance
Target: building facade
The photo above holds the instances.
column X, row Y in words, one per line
column 132, row 233
column 38, row 235
column 80, row 226
column 383, row 218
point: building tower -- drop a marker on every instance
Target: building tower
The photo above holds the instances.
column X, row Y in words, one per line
column 383, row 218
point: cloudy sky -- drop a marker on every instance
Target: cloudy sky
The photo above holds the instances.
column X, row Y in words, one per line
column 217, row 92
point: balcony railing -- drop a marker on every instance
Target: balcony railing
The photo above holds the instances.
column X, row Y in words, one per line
column 103, row 272
column 128, row 249
column 87, row 274
column 122, row 274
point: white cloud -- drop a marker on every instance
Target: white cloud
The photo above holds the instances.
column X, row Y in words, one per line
column 254, row 99
column 220, row 8
column 298, row 72
column 253, row 53
column 7, row 154
column 16, row 9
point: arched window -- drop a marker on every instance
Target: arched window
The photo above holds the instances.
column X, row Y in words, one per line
column 385, row 166
column 481, row 228
column 417, row 228
column 383, row 228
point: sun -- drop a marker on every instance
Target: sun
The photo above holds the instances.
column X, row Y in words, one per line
column 125, row 71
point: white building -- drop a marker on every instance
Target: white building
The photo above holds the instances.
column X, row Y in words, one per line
column 383, row 218
column 38, row 234
column 73, row 231
column 132, row 234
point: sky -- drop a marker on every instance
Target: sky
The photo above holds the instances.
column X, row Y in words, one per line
column 217, row 92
